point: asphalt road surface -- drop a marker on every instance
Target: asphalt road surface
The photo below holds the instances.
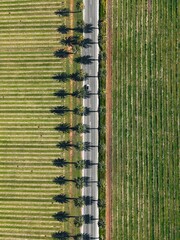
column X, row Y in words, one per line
column 91, row 16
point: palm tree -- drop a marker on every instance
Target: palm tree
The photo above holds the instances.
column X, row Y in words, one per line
column 79, row 182
column 62, row 77
column 71, row 40
column 81, row 93
column 84, row 27
column 79, row 236
column 63, row 127
column 80, row 5
column 80, row 164
column 61, row 235
column 80, row 26
column 62, row 53
column 82, row 146
column 62, row 198
column 79, row 202
column 80, row 110
column 78, row 221
column 61, row 216
column 81, row 128
column 79, row 75
column 79, row 146
column 61, row 110
column 86, row 236
column 61, row 162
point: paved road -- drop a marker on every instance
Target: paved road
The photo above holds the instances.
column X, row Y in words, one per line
column 91, row 15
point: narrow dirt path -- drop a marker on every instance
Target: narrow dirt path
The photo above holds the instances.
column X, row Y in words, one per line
column 149, row 6
column 109, row 122
column 71, row 101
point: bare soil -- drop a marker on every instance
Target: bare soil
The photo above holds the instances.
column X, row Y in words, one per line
column 70, row 59
column 149, row 6
column 109, row 122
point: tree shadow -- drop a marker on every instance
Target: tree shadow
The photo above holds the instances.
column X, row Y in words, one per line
column 61, row 180
column 63, row 29
column 86, row 60
column 80, row 28
column 60, row 162
column 61, row 235
column 88, row 219
column 88, row 28
column 60, row 110
column 66, row 145
column 90, row 76
column 86, row 181
column 71, row 40
column 88, row 200
column 89, row 163
column 62, row 77
column 62, row 53
column 82, row 93
column 65, row 12
column 87, row 146
column 86, row 43
column 79, row 110
column 77, row 76
column 64, row 127
column 61, row 216
column 62, row 93
column 61, row 198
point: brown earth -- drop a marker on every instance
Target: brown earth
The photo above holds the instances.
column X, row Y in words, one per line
column 109, row 122
column 149, row 6
column 71, row 100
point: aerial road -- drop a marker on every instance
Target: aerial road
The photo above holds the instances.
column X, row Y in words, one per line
column 91, row 16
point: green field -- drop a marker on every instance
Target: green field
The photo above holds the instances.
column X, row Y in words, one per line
column 145, row 120
column 28, row 39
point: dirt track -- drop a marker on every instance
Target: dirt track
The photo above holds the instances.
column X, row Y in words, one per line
column 109, row 122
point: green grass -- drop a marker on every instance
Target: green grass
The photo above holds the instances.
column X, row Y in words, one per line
column 145, row 121
column 28, row 38
column 102, row 114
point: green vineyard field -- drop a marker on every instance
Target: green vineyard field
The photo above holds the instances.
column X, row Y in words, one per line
column 145, row 120
column 28, row 139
